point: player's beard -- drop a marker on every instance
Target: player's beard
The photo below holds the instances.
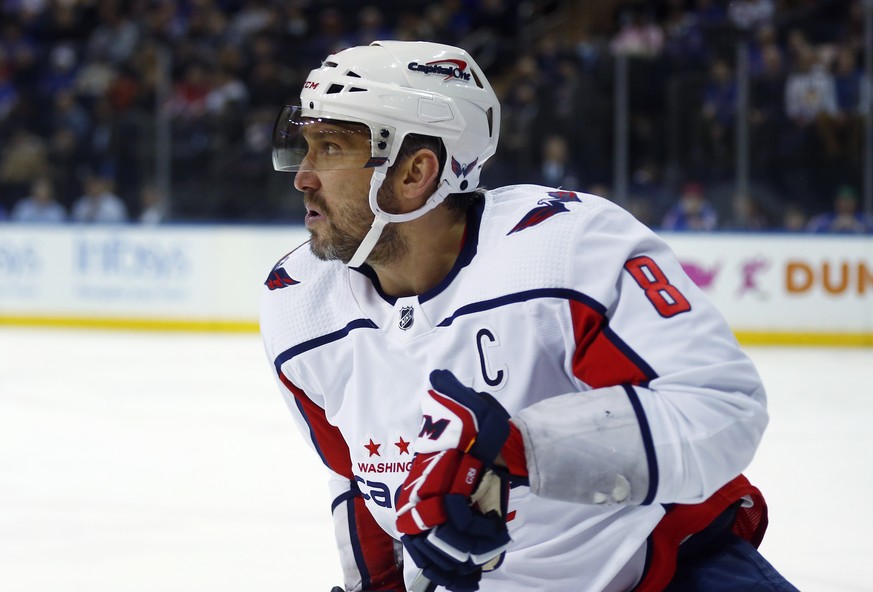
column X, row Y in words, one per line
column 347, row 226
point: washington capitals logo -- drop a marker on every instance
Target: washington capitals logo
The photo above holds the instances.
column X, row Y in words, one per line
column 546, row 208
column 461, row 170
column 279, row 278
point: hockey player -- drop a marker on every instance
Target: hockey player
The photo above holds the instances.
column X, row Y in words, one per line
column 513, row 389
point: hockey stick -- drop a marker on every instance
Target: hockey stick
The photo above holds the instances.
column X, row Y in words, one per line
column 422, row 584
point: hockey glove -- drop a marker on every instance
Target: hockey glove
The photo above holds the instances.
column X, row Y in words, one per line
column 452, row 506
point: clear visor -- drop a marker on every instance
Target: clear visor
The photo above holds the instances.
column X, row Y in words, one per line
column 314, row 144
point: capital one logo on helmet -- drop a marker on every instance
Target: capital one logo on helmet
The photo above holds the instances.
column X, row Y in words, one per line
column 456, row 69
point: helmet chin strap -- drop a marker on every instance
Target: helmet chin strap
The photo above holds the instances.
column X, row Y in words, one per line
column 383, row 218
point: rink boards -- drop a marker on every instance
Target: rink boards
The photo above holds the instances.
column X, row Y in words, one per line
column 772, row 288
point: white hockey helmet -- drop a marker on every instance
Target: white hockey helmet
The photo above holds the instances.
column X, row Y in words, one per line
column 397, row 88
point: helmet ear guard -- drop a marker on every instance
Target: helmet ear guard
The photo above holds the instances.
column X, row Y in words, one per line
column 398, row 88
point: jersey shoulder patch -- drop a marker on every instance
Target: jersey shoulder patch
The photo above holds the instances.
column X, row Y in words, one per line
column 279, row 277
column 555, row 202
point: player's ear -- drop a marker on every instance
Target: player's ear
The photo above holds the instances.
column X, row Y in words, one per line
column 419, row 175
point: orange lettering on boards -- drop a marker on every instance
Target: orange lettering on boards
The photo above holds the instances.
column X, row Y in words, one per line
column 865, row 279
column 831, row 284
column 798, row 277
column 836, row 278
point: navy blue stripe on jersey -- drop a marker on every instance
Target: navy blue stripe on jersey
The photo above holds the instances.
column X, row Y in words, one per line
column 563, row 294
column 373, row 550
column 312, row 436
column 357, row 549
column 631, row 355
column 648, row 444
column 326, row 439
column 468, row 251
column 507, row 299
column 344, row 496
column 322, row 340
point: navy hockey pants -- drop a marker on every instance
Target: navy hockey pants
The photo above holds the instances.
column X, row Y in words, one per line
column 727, row 564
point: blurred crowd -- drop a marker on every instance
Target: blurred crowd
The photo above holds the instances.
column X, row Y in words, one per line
column 99, row 98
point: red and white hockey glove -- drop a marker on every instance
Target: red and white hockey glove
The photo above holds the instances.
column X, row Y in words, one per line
column 452, row 506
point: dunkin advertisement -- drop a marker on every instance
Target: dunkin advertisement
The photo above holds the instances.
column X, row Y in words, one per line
column 784, row 283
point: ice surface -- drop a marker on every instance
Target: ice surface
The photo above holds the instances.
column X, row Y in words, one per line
column 167, row 462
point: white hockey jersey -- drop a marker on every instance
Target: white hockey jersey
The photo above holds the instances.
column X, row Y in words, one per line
column 557, row 299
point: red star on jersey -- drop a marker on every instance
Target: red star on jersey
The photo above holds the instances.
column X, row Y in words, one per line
column 403, row 445
column 373, row 448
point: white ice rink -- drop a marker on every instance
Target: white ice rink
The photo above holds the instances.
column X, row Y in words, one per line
column 158, row 462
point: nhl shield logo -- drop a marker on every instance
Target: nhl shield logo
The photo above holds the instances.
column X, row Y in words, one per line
column 406, row 319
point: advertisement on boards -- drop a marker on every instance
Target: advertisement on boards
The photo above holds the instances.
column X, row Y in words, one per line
column 783, row 282
column 779, row 284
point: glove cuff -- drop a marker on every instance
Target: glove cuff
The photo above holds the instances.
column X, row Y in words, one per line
column 513, row 452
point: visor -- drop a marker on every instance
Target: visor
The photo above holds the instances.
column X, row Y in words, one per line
column 318, row 144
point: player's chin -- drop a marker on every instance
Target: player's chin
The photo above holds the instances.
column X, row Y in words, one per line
column 325, row 250
column 321, row 251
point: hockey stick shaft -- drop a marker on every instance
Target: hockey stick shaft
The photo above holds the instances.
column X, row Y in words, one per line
column 422, row 584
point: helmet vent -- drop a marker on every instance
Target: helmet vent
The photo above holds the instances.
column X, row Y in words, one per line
column 330, row 64
column 352, row 74
column 489, row 115
column 357, row 89
column 334, row 89
column 476, row 78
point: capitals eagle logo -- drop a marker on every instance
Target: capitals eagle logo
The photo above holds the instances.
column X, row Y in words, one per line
column 279, row 279
column 546, row 208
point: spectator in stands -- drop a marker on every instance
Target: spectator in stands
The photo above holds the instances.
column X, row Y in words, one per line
column 797, row 45
column 188, row 99
column 59, row 75
column 848, row 82
column 226, row 93
column 68, row 161
column 691, row 212
column 811, row 111
column 556, row 167
column 810, row 90
column 709, row 12
column 648, row 196
column 638, row 34
column 767, row 108
column 95, row 76
column 113, row 48
column 67, row 113
column 154, row 205
column 23, row 157
column 8, row 89
column 371, row 25
column 761, row 46
column 719, row 113
column 748, row 15
column 40, row 206
column 794, row 218
column 747, row 213
column 116, row 35
column 22, row 51
column 99, row 204
column 845, row 218
column 684, row 43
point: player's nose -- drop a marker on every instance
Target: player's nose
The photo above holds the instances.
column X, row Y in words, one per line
column 306, row 179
